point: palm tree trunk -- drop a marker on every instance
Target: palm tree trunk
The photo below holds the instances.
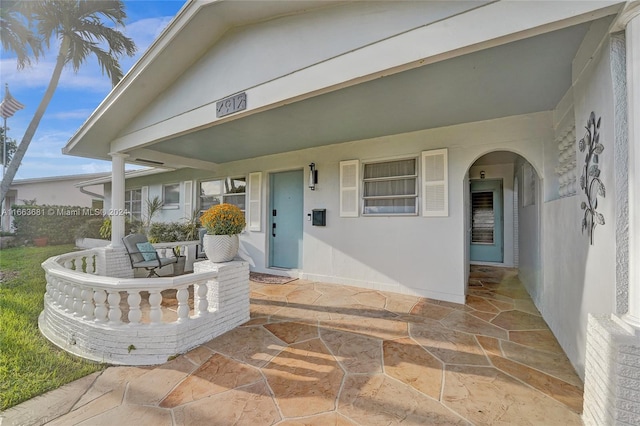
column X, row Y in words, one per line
column 35, row 121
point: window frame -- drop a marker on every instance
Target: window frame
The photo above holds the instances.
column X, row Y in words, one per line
column 128, row 203
column 415, row 196
column 223, row 194
column 165, row 204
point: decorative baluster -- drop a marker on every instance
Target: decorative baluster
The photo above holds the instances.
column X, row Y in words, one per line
column 155, row 314
column 134, row 306
column 49, row 287
column 68, row 298
column 101, row 311
column 115, row 314
column 59, row 299
column 68, row 264
column 202, row 305
column 87, row 305
column 77, row 300
column 183, row 304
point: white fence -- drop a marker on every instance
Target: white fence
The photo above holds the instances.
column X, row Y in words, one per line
column 139, row 321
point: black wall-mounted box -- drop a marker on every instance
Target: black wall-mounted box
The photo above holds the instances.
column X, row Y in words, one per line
column 319, row 217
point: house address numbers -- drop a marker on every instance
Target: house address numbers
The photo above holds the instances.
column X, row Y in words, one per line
column 232, row 104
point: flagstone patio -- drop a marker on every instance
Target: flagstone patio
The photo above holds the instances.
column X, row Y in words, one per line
column 321, row 354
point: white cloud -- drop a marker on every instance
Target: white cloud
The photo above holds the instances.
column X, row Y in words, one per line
column 77, row 114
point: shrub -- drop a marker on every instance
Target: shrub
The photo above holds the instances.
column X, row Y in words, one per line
column 90, row 229
column 171, row 232
column 58, row 223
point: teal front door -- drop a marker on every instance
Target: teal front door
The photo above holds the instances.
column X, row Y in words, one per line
column 487, row 242
column 286, row 219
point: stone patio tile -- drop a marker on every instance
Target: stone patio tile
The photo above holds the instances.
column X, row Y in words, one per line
column 327, row 419
column 480, row 304
column 199, row 355
column 105, row 402
column 131, row 415
column 484, row 316
column 363, row 321
column 293, row 332
column 339, row 291
column 261, row 307
column 517, row 320
column 526, row 305
column 305, row 295
column 554, row 364
column 543, row 340
column 426, row 309
column 252, row 345
column 451, row 347
column 355, row 353
column 48, row 406
column 250, row 405
column 332, row 300
column 514, row 293
column 491, row 295
column 485, row 396
column 408, row 362
column 400, row 303
column 110, row 380
column 490, row 345
column 462, row 321
column 305, row 379
column 379, row 400
column 278, row 290
column 301, row 313
column 371, row 298
column 218, row 374
column 153, row 386
column 561, row 391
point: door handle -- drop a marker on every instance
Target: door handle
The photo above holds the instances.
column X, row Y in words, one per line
column 273, row 230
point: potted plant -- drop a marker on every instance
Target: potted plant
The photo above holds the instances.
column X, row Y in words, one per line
column 223, row 223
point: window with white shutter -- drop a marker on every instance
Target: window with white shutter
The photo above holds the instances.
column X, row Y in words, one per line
column 349, row 194
column 254, row 217
column 188, row 198
column 435, row 183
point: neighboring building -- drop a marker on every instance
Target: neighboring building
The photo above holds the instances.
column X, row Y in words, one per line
column 442, row 133
column 53, row 190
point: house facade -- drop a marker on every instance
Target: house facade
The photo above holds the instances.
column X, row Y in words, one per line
column 390, row 145
column 54, row 190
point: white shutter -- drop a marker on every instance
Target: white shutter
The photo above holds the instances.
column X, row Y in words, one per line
column 144, row 194
column 435, row 183
column 255, row 197
column 349, row 184
column 188, row 199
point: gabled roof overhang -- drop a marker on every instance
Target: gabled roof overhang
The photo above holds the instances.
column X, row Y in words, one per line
column 207, row 21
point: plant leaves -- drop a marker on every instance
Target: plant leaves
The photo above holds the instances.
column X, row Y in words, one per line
column 596, row 159
column 593, row 169
column 582, row 182
column 583, row 205
column 587, row 138
column 600, row 218
column 598, row 125
column 592, row 118
column 582, row 145
column 601, row 190
column 584, row 224
column 598, row 149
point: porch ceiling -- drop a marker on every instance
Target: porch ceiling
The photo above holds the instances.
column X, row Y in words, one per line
column 526, row 76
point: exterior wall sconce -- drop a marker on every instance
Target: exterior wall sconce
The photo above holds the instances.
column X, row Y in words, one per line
column 482, row 174
column 313, row 176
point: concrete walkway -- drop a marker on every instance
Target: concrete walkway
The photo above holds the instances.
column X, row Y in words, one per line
column 320, row 354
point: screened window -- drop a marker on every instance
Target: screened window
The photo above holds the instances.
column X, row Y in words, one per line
column 133, row 203
column 229, row 190
column 171, row 195
column 482, row 218
column 390, row 187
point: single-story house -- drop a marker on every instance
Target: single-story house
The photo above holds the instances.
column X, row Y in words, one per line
column 389, row 145
column 53, row 190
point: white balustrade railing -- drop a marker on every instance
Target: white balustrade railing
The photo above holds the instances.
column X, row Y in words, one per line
column 124, row 321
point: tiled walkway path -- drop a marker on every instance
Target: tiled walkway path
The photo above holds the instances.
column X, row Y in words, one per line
column 320, row 354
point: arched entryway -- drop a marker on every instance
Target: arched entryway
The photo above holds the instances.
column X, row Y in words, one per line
column 503, row 213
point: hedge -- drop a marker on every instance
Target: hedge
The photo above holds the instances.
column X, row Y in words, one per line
column 172, row 231
column 58, row 223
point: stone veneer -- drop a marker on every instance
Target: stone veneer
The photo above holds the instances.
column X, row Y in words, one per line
column 113, row 262
column 612, row 373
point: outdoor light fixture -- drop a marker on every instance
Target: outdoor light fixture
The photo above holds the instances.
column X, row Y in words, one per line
column 313, row 176
column 482, row 174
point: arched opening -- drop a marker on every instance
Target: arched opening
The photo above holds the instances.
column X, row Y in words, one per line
column 503, row 214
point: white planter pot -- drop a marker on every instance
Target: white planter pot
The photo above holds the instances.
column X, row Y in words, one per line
column 221, row 248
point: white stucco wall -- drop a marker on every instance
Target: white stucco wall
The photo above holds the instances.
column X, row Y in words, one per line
column 319, row 35
column 415, row 254
column 580, row 278
column 53, row 191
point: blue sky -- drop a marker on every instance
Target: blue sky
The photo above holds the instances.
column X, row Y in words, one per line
column 76, row 97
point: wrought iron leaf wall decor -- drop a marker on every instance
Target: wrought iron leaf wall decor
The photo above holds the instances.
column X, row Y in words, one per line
column 590, row 181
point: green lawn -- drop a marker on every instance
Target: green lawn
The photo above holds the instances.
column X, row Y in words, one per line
column 29, row 364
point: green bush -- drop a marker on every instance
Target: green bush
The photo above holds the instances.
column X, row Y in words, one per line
column 58, row 223
column 90, row 229
column 172, row 231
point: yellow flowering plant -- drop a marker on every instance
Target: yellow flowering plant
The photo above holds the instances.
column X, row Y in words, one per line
column 223, row 219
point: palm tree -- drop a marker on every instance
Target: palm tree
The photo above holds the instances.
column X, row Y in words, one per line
column 80, row 28
column 15, row 33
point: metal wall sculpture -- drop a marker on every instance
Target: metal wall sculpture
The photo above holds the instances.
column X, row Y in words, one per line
column 590, row 180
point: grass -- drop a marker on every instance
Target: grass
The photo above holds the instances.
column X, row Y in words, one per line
column 29, row 364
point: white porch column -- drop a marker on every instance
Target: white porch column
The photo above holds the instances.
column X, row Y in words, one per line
column 117, row 198
column 632, row 33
